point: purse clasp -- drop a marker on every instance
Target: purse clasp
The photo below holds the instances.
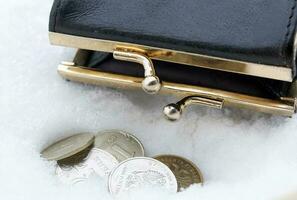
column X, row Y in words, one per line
column 174, row 111
column 151, row 83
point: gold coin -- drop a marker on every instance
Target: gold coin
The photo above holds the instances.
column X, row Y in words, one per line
column 76, row 158
column 185, row 171
column 68, row 146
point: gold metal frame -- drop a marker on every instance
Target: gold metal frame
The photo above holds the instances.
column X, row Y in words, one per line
column 266, row 71
column 206, row 96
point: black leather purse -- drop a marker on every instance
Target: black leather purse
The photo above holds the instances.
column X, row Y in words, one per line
column 215, row 53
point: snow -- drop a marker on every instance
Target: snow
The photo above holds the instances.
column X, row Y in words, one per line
column 243, row 155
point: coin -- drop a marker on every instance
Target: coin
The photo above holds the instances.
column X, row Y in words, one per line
column 120, row 144
column 68, row 146
column 97, row 162
column 141, row 172
column 73, row 174
column 185, row 171
column 101, row 162
column 76, row 158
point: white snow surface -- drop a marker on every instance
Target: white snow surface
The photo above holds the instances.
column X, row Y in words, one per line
column 243, row 155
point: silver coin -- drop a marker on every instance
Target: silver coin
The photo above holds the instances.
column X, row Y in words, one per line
column 73, row 174
column 68, row 146
column 120, row 144
column 141, row 172
column 101, row 162
column 98, row 162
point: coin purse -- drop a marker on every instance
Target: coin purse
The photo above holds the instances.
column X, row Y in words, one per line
column 214, row 53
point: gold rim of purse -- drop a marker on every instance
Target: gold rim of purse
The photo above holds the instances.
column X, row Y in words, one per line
column 192, row 94
column 266, row 71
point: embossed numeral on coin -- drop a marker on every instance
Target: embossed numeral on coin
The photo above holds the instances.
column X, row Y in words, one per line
column 120, row 144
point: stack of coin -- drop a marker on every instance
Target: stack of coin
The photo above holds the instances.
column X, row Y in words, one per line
column 119, row 156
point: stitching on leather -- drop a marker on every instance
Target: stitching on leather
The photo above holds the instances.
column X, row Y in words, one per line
column 289, row 24
column 56, row 14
